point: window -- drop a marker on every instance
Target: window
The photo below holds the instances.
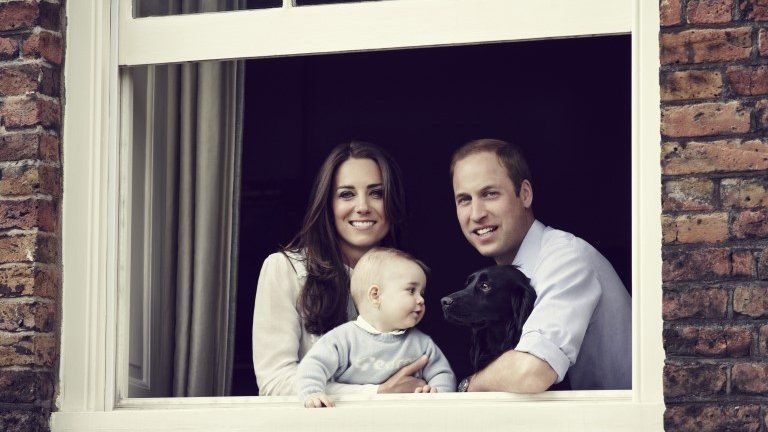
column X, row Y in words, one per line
column 92, row 381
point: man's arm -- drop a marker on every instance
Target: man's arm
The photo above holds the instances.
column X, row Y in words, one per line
column 515, row 372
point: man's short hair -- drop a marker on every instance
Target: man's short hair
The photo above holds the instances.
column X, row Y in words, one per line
column 371, row 269
column 509, row 154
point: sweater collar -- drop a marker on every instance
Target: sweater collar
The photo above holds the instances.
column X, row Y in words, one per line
column 365, row 325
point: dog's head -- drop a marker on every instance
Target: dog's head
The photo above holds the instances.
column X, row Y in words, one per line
column 492, row 295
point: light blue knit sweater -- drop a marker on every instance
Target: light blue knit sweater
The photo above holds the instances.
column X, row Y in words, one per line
column 348, row 354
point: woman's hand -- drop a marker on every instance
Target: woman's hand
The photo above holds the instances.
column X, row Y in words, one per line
column 403, row 380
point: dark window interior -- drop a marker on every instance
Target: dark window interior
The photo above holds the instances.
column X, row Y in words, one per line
column 566, row 102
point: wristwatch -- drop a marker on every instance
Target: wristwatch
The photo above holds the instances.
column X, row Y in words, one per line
column 464, row 384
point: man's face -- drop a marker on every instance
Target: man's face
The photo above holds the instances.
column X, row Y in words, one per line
column 492, row 217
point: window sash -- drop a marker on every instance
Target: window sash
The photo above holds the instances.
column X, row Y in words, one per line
column 88, row 398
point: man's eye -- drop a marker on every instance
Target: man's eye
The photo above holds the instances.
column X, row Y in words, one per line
column 462, row 201
column 491, row 194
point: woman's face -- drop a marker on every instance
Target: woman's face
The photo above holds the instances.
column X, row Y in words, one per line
column 358, row 207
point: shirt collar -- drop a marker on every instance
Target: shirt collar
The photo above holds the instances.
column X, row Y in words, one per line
column 365, row 325
column 528, row 253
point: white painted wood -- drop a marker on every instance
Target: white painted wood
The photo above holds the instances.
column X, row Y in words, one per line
column 89, row 371
column 360, row 26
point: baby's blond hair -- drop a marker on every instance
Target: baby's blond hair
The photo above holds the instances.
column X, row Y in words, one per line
column 371, row 269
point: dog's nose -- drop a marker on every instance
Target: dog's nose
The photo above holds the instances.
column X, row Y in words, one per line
column 446, row 301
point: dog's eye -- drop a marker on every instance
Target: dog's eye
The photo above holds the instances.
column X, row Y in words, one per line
column 484, row 287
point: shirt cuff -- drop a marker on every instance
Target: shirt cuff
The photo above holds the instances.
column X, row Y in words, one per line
column 536, row 344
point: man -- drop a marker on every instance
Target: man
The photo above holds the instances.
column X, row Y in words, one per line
column 581, row 321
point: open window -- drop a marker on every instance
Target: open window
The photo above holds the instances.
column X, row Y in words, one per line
column 419, row 77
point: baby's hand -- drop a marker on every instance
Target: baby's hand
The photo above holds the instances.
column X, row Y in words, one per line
column 425, row 389
column 318, row 400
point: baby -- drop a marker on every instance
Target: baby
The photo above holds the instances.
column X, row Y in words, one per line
column 388, row 289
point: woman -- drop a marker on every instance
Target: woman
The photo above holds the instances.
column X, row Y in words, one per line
column 357, row 202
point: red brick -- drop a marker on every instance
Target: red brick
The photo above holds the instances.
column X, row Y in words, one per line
column 692, row 84
column 29, row 280
column 50, row 15
column 730, row 341
column 709, row 11
column 699, row 264
column 36, row 349
column 712, row 418
column 751, row 301
column 27, row 248
column 700, row 303
column 762, row 42
column 743, row 263
column 17, row 14
column 706, row 45
column 687, row 194
column 763, row 345
column 749, row 378
column 24, row 179
column 21, row 146
column 716, row 156
column 762, row 265
column 30, row 112
column 751, row 224
column 754, row 9
column 744, row 193
column 670, row 12
column 9, row 48
column 761, row 112
column 702, row 228
column 693, row 379
column 712, row 118
column 21, row 79
column 43, row 44
column 28, row 214
column 27, row 316
column 25, row 386
column 24, row 420
column 748, row 80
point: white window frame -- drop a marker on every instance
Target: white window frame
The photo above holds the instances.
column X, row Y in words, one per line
column 89, row 397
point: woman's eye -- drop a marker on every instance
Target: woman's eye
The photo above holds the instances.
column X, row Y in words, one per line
column 346, row 195
column 377, row 193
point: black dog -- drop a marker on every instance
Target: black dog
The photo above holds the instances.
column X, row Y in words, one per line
column 495, row 303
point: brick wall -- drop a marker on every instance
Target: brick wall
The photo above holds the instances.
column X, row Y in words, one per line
column 714, row 157
column 30, row 188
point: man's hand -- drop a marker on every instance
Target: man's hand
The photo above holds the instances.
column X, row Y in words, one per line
column 516, row 372
column 425, row 389
column 403, row 380
column 318, row 400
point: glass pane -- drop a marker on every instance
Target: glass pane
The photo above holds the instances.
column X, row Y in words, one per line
column 146, row 8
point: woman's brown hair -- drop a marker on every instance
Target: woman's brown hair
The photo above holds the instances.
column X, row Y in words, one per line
column 324, row 297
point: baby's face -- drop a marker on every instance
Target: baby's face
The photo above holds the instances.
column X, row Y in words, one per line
column 402, row 296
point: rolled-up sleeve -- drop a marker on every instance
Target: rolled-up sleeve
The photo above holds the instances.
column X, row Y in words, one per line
column 567, row 293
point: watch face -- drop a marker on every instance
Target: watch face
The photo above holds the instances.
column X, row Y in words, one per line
column 463, row 385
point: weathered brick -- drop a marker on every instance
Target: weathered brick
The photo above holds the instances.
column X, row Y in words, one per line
column 670, row 12
column 687, row 194
column 728, row 341
column 744, row 193
column 750, row 378
column 35, row 349
column 702, row 228
column 43, row 44
column 24, row 179
column 17, row 14
column 706, row 45
column 743, row 263
column 754, row 9
column 751, row 224
column 692, row 84
column 28, row 214
column 751, row 301
column 699, row 264
column 762, row 265
column 18, row 80
column 712, row 118
column 26, row 316
column 32, row 111
column 761, row 112
column 29, row 280
column 709, row 11
column 26, row 248
column 712, row 418
column 694, row 379
column 762, row 42
column 701, row 303
column 24, row 420
column 748, row 80
column 20, row 146
column 763, row 338
column 9, row 48
column 23, row 386
column 716, row 156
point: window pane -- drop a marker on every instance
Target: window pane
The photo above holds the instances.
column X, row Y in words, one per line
column 146, row 8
